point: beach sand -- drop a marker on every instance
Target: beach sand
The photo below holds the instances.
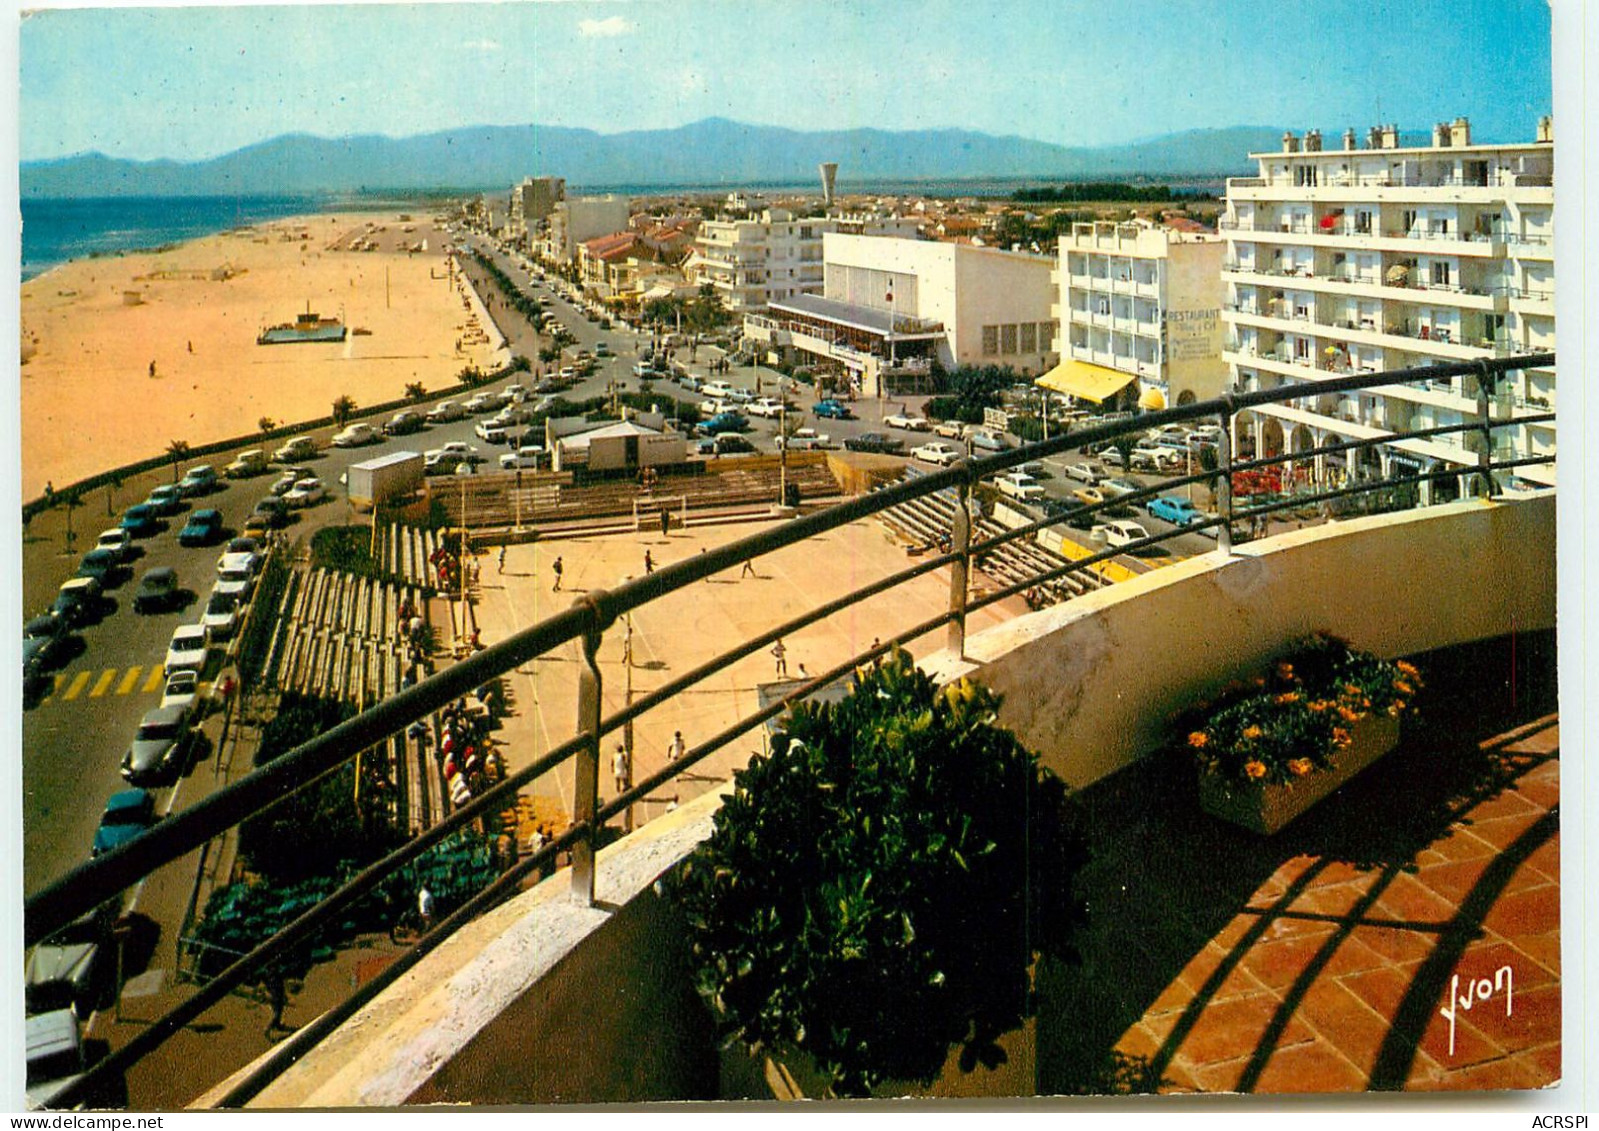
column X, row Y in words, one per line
column 89, row 402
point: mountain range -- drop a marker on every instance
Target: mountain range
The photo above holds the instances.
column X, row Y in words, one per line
column 715, row 151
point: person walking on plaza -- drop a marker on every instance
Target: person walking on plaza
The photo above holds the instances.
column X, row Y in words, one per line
column 424, row 908
column 748, row 570
column 676, row 750
column 666, row 521
column 619, row 768
column 502, row 559
column 278, row 994
column 780, row 654
column 555, row 568
column 649, row 563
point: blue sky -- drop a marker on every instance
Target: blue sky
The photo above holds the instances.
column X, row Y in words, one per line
column 192, row 83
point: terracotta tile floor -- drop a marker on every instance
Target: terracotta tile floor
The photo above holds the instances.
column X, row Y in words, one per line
column 1319, row 959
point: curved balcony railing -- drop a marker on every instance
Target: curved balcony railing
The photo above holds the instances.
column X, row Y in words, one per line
column 586, row 621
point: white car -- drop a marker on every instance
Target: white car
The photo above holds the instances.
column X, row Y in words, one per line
column 182, row 689
column 289, row 478
column 949, row 429
column 301, row 447
column 1119, row 533
column 188, row 649
column 513, row 394
column 766, row 406
column 480, row 402
column 1084, row 473
column 354, row 435
column 1019, row 485
column 525, row 458
column 117, row 540
column 1153, row 459
column 568, row 373
column 490, row 431
column 911, row 423
column 305, row 493
column 804, row 440
column 939, row 453
column 239, row 561
column 236, row 582
column 712, row 407
column 221, row 615
column 444, row 412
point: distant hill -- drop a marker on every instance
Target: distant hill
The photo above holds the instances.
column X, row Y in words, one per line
column 709, row 152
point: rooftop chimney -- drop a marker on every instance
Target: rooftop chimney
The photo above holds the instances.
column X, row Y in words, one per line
column 1546, row 128
column 1290, row 142
column 1312, row 141
column 1390, row 136
column 1374, row 138
column 1349, row 138
column 1440, row 135
column 1460, row 132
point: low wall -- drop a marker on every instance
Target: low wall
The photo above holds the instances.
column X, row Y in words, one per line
column 548, row 1000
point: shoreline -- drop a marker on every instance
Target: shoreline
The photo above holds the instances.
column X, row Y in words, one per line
column 125, row 353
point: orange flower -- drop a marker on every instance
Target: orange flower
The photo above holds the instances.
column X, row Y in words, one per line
column 1198, row 740
column 1341, row 738
column 1403, row 688
column 1347, row 714
column 1319, row 705
column 1406, row 667
column 1251, row 732
column 1285, row 671
column 1255, row 769
column 1351, row 689
column 1288, row 697
column 1299, row 767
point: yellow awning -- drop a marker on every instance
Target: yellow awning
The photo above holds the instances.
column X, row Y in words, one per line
column 1080, row 379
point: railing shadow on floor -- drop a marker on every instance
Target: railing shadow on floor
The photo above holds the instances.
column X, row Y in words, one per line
column 1165, row 879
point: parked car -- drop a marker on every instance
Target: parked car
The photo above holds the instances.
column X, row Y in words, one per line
column 804, row 440
column 479, row 402
column 711, row 407
column 988, row 441
column 305, row 493
column 910, row 423
column 68, row 970
column 285, row 482
column 182, row 689
column 158, row 590
column 404, row 422
column 491, row 432
column 116, row 540
column 161, row 747
column 248, row 463
column 724, row 444
column 939, row 453
column 728, row 421
column 526, row 458
column 1019, row 485
column 768, row 407
column 189, row 648
column 949, row 429
column 127, row 814
column 78, row 601
column 140, row 521
column 105, row 566
column 720, row 390
column 268, row 514
column 1084, row 473
column 203, row 528
column 1119, row 533
column 830, row 410
column 247, row 546
column 165, row 499
column 444, row 412
column 299, row 448
column 198, row 480
column 1114, row 488
column 1090, row 496
column 1170, row 508
column 512, row 394
column 875, row 442
column 221, row 616
column 354, row 435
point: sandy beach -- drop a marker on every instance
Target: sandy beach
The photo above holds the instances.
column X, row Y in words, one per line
column 92, row 329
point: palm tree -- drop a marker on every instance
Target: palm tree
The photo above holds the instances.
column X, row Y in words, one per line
column 112, row 484
column 415, row 391
column 343, row 409
column 176, row 450
column 71, row 501
column 266, row 424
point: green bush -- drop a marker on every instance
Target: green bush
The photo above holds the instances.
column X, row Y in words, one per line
column 877, row 888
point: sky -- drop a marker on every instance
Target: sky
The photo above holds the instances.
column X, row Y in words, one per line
column 190, row 83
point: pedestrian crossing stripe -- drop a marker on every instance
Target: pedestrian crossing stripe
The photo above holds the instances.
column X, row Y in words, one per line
column 156, row 681
column 103, row 684
column 75, row 688
column 129, row 680
column 68, row 687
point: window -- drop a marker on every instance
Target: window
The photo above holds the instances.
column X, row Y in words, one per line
column 1440, row 273
column 1007, row 339
column 1301, row 349
column 1363, row 222
column 990, row 341
column 1029, row 337
column 1046, row 336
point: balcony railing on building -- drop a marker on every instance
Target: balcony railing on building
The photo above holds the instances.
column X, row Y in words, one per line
column 597, row 612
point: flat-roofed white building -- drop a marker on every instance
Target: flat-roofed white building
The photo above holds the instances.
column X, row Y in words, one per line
column 1140, row 315
column 1385, row 256
column 579, row 219
column 890, row 308
column 766, row 255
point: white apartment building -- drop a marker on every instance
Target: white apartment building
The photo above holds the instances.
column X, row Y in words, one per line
column 765, row 256
column 1139, row 310
column 891, row 307
column 577, row 220
column 1388, row 257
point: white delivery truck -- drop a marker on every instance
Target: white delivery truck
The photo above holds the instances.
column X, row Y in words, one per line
column 384, row 479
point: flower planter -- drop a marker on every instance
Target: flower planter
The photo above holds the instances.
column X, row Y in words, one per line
column 1267, row 807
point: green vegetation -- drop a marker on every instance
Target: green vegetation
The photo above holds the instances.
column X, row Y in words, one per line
column 877, row 889
column 263, row 623
column 964, row 392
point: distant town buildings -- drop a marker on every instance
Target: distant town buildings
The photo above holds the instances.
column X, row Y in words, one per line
column 1140, row 315
column 574, row 221
column 1381, row 257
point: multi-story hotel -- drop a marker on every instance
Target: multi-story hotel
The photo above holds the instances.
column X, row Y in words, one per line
column 1388, row 257
column 1139, row 303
